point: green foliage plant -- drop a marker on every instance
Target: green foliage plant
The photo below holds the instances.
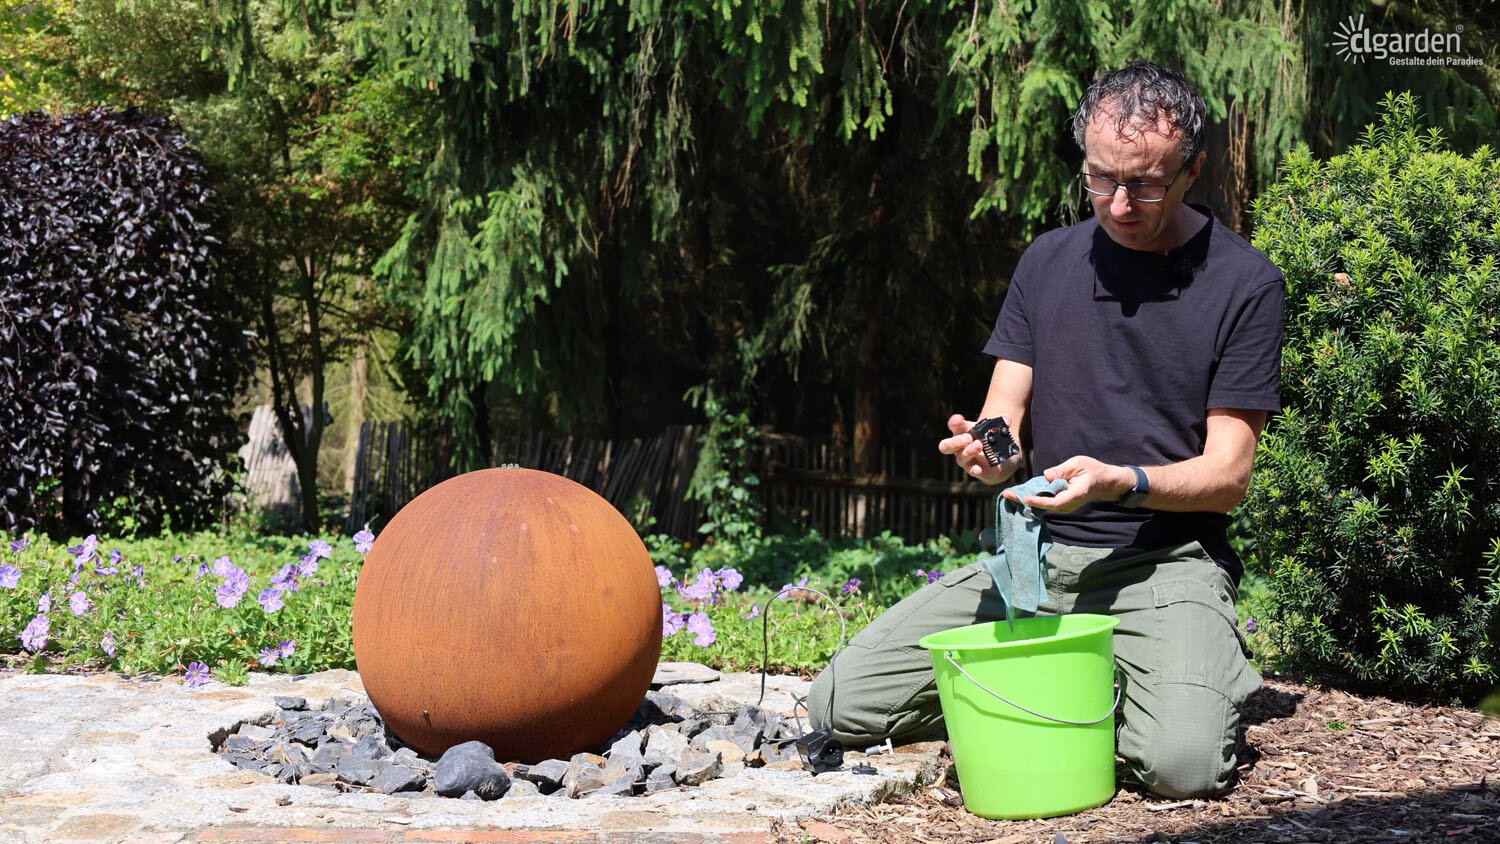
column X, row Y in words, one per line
column 724, row 479
column 1375, row 502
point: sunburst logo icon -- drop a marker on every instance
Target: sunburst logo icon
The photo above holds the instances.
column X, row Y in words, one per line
column 1346, row 39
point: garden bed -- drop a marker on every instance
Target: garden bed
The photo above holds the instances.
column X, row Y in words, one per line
column 1317, row 765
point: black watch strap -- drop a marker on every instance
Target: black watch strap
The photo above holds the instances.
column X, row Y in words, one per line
column 1137, row 494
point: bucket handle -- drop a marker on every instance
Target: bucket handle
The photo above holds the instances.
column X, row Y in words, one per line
column 1119, row 690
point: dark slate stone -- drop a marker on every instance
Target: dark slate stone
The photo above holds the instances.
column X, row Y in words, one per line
column 784, row 729
column 627, row 745
column 366, row 727
column 623, row 777
column 547, row 775
column 781, row 751
column 396, row 778
column 700, row 768
column 695, row 726
column 522, row 788
column 663, row 744
column 661, row 779
column 714, row 733
column 256, row 732
column 664, row 706
column 471, row 766
column 357, row 770
column 618, row 788
column 291, row 703
column 309, row 733
column 371, row 747
column 288, row 753
column 328, row 756
column 583, row 778
column 239, row 743
column 241, row 759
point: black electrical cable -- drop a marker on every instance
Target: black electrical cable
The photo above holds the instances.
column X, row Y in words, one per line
column 765, row 652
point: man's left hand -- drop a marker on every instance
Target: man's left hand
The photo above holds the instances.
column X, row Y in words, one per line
column 1088, row 480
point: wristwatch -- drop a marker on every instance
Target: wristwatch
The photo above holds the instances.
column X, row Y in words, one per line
column 1137, row 494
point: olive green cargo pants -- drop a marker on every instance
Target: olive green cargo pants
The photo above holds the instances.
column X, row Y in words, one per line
column 1178, row 647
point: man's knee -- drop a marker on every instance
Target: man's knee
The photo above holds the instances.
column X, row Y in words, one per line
column 862, row 701
column 1190, row 750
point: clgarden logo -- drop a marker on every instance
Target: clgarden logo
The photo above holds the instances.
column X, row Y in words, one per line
column 1356, row 43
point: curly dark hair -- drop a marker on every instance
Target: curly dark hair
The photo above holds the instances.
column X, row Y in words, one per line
column 1145, row 91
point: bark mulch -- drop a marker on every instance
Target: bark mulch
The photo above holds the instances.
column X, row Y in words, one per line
column 1316, row 766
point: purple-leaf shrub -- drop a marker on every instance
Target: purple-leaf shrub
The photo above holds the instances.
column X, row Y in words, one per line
column 119, row 358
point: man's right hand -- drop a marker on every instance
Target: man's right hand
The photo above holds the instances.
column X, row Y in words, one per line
column 969, row 453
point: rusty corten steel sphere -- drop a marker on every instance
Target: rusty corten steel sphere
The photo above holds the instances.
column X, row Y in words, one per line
column 511, row 606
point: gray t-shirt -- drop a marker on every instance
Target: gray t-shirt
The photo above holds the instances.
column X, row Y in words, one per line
column 1129, row 350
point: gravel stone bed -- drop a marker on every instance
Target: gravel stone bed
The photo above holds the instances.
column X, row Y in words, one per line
column 343, row 744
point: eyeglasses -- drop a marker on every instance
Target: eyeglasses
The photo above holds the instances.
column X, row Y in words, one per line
column 1139, row 191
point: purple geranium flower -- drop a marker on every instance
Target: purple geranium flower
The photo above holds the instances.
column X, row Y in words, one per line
column 932, row 576
column 80, row 604
column 307, row 566
column 224, row 567
column 197, row 674
column 730, row 579
column 269, row 656
column 702, row 629
column 286, row 578
column 671, row 620
column 44, row 603
column 139, row 573
column 34, row 637
column 702, row 589
column 364, row 541
column 1250, row 625
column 114, row 564
column 19, row 545
column 287, row 648
column 234, row 588
column 270, row 599
column 664, row 577
column 9, row 576
column 108, row 644
column 202, row 569
column 319, row 548
column 850, row 586
column 85, row 552
column 798, row 585
column 227, row 596
column 754, row 611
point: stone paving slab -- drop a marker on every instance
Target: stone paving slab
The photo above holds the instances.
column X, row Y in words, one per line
column 247, row 835
column 105, row 758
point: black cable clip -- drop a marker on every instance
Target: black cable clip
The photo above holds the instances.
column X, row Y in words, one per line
column 820, row 752
column 999, row 445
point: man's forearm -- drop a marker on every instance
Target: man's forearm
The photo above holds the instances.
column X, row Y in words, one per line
column 1197, row 484
column 1214, row 481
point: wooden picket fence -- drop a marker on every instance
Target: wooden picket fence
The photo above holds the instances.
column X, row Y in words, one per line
column 805, row 482
column 917, row 494
column 642, row 478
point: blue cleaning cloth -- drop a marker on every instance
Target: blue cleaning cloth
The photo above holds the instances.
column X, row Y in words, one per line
column 1018, row 566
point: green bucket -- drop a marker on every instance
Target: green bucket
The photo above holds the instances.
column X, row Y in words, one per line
column 1030, row 713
